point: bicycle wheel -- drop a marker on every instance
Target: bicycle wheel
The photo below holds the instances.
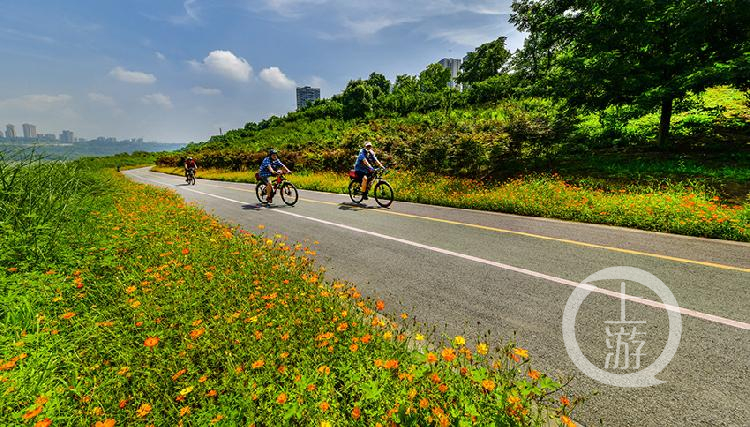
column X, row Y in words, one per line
column 289, row 194
column 260, row 192
column 354, row 191
column 383, row 194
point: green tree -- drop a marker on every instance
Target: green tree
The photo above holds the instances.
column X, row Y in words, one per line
column 357, row 99
column 648, row 53
column 487, row 60
column 379, row 84
column 435, row 78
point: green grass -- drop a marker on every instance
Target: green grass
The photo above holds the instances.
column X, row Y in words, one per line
column 160, row 314
column 672, row 207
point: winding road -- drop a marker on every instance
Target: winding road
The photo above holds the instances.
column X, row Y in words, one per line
column 469, row 272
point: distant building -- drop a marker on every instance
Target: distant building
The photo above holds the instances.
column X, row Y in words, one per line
column 10, row 131
column 47, row 137
column 2, row 135
column 67, row 137
column 307, row 95
column 454, row 65
column 29, row 131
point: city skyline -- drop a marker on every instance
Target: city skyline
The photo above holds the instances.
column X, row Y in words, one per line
column 30, row 133
column 180, row 70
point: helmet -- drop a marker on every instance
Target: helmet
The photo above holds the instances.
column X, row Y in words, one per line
column 368, row 144
column 272, row 152
column 190, row 158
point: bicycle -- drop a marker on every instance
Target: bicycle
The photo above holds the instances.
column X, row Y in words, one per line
column 288, row 191
column 382, row 190
column 190, row 175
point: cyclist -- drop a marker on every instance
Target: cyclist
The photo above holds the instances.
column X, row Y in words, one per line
column 190, row 166
column 270, row 166
column 363, row 167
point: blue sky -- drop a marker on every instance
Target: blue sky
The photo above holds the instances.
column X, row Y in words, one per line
column 177, row 71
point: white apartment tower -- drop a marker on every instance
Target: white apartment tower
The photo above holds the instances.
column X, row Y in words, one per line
column 454, row 65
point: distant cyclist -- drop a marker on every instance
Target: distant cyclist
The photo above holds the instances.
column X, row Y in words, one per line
column 190, row 166
column 364, row 168
column 271, row 166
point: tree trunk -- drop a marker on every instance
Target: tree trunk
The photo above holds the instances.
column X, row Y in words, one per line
column 664, row 121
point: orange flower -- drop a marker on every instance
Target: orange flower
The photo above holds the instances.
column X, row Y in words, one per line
column 366, row 339
column 342, row 327
column 423, row 403
column 324, row 406
column 432, row 357
column 258, row 364
column 356, row 413
column 281, row 399
column 43, row 423
column 209, row 275
column 41, row 400
column 106, row 423
column 33, row 413
column 185, row 251
column 195, row 333
column 534, row 374
column 143, row 410
column 391, row 364
column 488, row 384
column 311, row 387
column 151, row 341
column 380, row 305
column 123, row 403
column 448, row 354
column 443, row 387
column 353, row 348
column 564, row 400
column 178, row 374
column 211, row 393
column 184, row 411
column 67, row 315
column 567, row 421
column 514, row 400
column 521, row 352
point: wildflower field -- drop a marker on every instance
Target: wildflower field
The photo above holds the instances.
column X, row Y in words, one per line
column 672, row 207
column 122, row 305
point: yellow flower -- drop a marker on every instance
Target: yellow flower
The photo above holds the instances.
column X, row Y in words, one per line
column 419, row 337
column 521, row 352
column 482, row 348
column 325, row 424
column 488, row 385
column 459, row 340
column 185, row 391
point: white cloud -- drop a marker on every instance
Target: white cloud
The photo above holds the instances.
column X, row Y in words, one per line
column 158, row 99
column 136, row 77
column 276, row 78
column 226, row 64
column 316, row 81
column 471, row 37
column 36, row 103
column 160, row 56
column 102, row 99
column 200, row 90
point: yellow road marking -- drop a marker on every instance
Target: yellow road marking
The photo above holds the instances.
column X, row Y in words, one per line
column 536, row 236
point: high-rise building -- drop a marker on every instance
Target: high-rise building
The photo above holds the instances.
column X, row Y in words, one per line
column 29, row 131
column 307, row 95
column 454, row 65
column 67, row 137
column 10, row 131
column 2, row 135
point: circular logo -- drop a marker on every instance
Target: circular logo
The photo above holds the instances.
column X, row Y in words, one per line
column 644, row 377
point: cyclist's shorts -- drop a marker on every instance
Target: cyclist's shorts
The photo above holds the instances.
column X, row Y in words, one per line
column 361, row 175
column 264, row 179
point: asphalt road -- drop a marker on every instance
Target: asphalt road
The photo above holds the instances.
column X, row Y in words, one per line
column 470, row 272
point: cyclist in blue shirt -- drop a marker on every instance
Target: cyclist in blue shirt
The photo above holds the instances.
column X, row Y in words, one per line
column 363, row 167
column 271, row 166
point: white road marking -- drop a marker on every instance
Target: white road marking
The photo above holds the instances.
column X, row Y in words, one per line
column 536, row 274
column 558, row 280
